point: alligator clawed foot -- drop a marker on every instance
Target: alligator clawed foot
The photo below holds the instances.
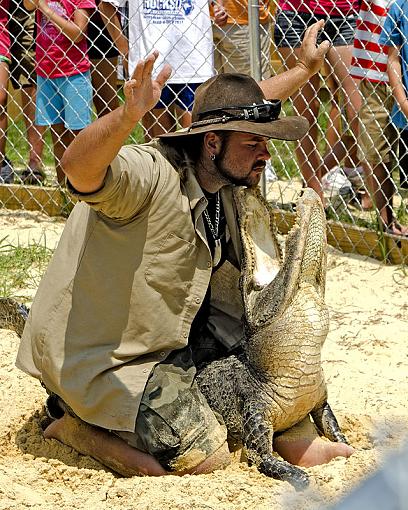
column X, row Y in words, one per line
column 284, row 471
column 340, row 438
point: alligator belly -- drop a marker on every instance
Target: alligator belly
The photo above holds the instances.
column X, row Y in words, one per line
column 292, row 404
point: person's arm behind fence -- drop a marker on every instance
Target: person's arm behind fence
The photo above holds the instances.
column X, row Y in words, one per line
column 74, row 30
column 395, row 76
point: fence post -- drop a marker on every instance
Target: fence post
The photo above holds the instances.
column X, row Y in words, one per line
column 255, row 54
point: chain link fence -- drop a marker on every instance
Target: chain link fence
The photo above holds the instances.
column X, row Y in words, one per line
column 354, row 154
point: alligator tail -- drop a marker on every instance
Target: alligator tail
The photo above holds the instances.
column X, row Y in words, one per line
column 13, row 315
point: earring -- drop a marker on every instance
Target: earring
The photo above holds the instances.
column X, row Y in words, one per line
column 212, row 156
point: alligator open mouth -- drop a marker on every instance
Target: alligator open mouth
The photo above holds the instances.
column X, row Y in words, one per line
column 266, row 276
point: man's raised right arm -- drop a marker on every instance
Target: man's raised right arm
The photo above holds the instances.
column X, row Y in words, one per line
column 86, row 160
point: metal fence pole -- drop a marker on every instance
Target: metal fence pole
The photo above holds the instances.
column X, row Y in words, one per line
column 255, row 54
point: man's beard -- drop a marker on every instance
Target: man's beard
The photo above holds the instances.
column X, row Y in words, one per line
column 251, row 179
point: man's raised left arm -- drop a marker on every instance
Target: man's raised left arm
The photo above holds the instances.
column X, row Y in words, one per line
column 310, row 61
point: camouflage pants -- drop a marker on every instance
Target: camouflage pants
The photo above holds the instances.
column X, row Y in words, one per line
column 175, row 423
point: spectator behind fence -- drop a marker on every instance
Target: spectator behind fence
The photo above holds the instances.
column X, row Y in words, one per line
column 22, row 77
column 64, row 90
column 292, row 19
column 231, row 38
column 6, row 170
column 378, row 138
column 183, row 38
column 106, row 42
column 394, row 35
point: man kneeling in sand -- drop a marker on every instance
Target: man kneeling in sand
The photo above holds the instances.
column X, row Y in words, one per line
column 124, row 309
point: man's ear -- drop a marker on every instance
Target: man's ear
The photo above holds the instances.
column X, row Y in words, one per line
column 212, row 143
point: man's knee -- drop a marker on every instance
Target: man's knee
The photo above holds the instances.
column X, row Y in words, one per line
column 220, row 459
column 175, row 424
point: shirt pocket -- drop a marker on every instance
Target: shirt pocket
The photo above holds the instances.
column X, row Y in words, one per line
column 172, row 268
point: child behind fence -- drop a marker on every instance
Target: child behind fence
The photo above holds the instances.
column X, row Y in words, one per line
column 6, row 171
column 394, row 35
column 64, row 91
column 378, row 138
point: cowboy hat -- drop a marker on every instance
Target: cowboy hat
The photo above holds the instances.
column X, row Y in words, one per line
column 235, row 102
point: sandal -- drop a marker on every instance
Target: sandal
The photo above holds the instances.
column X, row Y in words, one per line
column 33, row 176
column 396, row 229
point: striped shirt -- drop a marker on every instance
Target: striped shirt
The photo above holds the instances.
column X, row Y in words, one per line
column 369, row 57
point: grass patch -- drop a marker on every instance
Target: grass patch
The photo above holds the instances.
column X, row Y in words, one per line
column 17, row 146
column 402, row 213
column 21, row 268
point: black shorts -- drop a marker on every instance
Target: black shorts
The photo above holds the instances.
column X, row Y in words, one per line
column 290, row 28
column 100, row 45
column 22, row 50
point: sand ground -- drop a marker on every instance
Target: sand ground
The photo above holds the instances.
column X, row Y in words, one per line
column 365, row 360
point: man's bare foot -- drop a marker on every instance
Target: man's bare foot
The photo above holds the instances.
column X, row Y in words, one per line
column 115, row 453
column 301, row 445
column 110, row 450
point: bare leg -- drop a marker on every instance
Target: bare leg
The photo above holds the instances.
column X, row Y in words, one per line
column 61, row 137
column 116, row 454
column 339, row 58
column 157, row 122
column 383, row 187
column 368, row 196
column 333, row 133
column 104, row 83
column 302, row 445
column 333, row 157
column 35, row 134
column 184, row 117
column 307, row 104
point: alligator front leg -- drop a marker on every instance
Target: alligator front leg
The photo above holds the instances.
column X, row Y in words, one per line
column 257, row 438
column 326, row 422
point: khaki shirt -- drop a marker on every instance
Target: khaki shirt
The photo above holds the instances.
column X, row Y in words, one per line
column 129, row 274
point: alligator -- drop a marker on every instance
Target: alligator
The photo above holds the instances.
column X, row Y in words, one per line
column 277, row 379
column 13, row 315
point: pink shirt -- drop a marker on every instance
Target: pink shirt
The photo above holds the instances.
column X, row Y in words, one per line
column 324, row 7
column 4, row 35
column 56, row 55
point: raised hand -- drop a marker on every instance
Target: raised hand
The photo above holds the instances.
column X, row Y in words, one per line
column 142, row 92
column 220, row 16
column 311, row 55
